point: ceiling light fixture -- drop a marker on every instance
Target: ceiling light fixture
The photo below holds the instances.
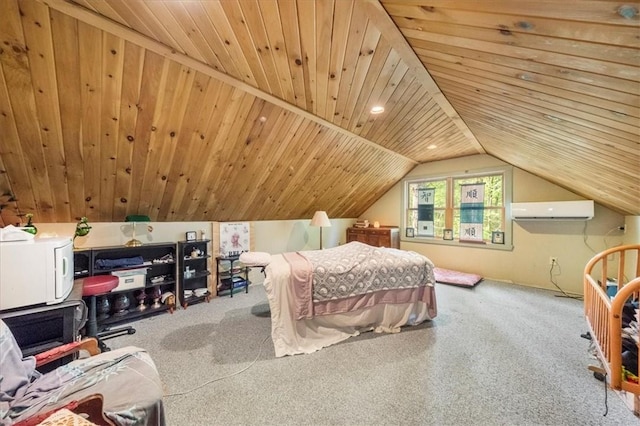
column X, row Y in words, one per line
column 377, row 110
column 432, row 146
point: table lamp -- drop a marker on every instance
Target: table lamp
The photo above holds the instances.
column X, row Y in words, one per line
column 135, row 218
column 320, row 219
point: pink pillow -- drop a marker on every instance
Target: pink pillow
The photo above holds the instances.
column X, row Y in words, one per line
column 447, row 276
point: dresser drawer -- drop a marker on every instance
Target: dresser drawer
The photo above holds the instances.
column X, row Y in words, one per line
column 356, row 230
column 377, row 237
column 377, row 231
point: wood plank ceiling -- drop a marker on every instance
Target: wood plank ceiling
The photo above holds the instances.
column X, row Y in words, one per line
column 552, row 87
column 260, row 110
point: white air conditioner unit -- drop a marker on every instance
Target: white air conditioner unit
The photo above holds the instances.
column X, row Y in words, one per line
column 553, row 210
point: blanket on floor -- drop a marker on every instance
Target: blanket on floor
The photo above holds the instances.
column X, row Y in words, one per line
column 447, row 276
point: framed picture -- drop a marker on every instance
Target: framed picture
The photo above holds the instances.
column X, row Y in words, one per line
column 191, row 235
column 235, row 237
column 447, row 234
column 497, row 237
column 410, row 232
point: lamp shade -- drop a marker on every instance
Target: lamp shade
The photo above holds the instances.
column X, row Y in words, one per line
column 135, row 218
column 320, row 218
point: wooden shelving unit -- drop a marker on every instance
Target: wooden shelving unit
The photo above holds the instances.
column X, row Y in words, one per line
column 159, row 261
column 193, row 266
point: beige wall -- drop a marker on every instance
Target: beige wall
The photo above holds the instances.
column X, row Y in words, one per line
column 631, row 236
column 118, row 233
column 632, row 231
column 280, row 236
column 268, row 236
column 572, row 243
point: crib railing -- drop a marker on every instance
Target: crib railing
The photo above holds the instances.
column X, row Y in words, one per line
column 604, row 315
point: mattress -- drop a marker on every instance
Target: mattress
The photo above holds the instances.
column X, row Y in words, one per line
column 295, row 334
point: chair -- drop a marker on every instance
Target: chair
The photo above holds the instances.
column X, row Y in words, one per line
column 92, row 287
column 124, row 381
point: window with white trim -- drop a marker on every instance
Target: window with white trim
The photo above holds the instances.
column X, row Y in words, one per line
column 466, row 207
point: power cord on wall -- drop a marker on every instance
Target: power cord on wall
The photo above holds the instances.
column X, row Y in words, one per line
column 606, row 243
column 606, row 396
column 555, row 263
column 614, row 229
column 598, row 372
column 585, row 237
column 217, row 379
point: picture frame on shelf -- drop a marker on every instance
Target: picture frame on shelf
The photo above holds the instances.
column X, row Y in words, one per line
column 191, row 235
column 497, row 237
column 410, row 232
column 447, row 234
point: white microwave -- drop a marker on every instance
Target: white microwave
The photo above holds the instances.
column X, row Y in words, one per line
column 34, row 272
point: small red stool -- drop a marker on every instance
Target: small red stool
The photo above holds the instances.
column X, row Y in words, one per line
column 92, row 287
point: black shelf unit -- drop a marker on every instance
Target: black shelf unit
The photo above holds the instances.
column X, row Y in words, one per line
column 132, row 315
column 193, row 267
column 41, row 328
column 231, row 274
column 159, row 259
column 81, row 263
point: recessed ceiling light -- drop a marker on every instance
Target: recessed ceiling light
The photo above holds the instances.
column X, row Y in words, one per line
column 432, row 146
column 377, row 110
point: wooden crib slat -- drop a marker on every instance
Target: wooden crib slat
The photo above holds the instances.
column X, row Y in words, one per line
column 603, row 279
column 621, row 269
column 604, row 315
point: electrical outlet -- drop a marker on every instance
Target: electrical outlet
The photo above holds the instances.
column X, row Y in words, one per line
column 553, row 260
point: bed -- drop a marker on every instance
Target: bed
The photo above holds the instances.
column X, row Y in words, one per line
column 321, row 297
column 610, row 303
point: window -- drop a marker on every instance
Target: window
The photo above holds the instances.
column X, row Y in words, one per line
column 469, row 206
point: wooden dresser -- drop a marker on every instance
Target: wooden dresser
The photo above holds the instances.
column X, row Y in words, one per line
column 385, row 236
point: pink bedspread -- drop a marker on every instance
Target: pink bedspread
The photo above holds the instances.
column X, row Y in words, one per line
column 356, row 276
column 301, row 284
column 292, row 335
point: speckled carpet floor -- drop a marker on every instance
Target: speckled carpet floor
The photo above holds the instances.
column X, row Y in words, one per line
column 497, row 354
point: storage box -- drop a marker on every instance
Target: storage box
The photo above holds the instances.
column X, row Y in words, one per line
column 131, row 279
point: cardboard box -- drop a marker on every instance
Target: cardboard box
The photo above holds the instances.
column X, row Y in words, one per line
column 131, row 279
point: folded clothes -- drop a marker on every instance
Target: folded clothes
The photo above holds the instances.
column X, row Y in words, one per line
column 117, row 263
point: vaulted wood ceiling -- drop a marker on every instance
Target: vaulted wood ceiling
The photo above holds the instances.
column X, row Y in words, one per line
column 257, row 110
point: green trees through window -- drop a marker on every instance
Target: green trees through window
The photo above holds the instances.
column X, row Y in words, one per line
column 448, row 199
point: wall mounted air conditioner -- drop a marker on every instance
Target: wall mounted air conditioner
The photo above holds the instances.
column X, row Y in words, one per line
column 553, row 210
